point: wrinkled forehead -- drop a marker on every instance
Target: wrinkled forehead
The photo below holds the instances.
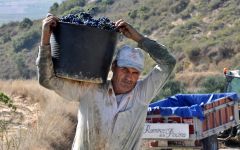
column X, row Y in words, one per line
column 131, row 69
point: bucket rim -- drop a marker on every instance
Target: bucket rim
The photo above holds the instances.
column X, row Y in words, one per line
column 85, row 26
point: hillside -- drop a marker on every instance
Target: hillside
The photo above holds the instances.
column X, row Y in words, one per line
column 204, row 36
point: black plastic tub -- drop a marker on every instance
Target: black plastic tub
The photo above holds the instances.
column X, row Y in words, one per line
column 82, row 53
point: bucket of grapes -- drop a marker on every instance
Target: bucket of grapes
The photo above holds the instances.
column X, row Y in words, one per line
column 83, row 47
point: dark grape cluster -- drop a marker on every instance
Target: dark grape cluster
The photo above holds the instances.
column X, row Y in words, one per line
column 84, row 18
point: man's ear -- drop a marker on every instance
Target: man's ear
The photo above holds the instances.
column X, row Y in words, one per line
column 114, row 64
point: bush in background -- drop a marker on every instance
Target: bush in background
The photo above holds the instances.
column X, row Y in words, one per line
column 5, row 38
column 22, row 67
column 172, row 87
column 26, row 41
column 179, row 6
column 26, row 23
column 7, row 101
column 66, row 5
column 213, row 84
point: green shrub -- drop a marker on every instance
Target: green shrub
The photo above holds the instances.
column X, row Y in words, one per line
column 193, row 53
column 179, row 6
column 54, row 8
column 96, row 8
column 214, row 4
column 143, row 12
column 178, row 32
column 26, row 23
column 227, row 49
column 108, row 2
column 7, row 101
column 146, row 31
column 186, row 30
column 74, row 10
column 5, row 38
column 172, row 87
column 144, row 9
column 22, row 67
column 191, row 24
column 67, row 5
column 186, row 14
column 216, row 26
column 213, row 84
column 133, row 14
column 135, row 1
column 26, row 41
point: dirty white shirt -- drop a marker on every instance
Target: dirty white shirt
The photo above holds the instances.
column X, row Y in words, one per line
column 103, row 124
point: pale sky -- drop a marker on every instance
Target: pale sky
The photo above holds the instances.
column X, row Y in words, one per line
column 18, row 9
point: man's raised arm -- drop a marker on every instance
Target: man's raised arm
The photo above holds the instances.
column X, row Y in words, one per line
column 156, row 79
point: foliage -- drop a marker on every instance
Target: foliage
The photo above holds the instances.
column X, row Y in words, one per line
column 67, row 5
column 26, row 23
column 179, row 6
column 213, row 84
column 54, row 8
column 108, row 2
column 5, row 38
column 7, row 101
column 21, row 66
column 144, row 9
column 186, row 13
column 73, row 11
column 193, row 53
column 26, row 41
column 172, row 87
column 133, row 14
column 214, row 4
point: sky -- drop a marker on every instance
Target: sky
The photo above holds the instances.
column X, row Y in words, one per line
column 16, row 10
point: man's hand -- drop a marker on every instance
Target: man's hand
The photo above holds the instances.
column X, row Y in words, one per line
column 47, row 25
column 127, row 30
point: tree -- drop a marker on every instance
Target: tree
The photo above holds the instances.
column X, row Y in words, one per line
column 22, row 67
column 172, row 87
column 54, row 8
column 26, row 41
column 213, row 84
column 26, row 23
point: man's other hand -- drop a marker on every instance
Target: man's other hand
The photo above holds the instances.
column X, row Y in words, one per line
column 47, row 25
column 127, row 30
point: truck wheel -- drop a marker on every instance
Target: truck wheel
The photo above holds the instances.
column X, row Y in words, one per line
column 210, row 143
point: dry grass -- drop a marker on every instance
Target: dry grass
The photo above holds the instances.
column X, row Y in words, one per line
column 193, row 79
column 24, row 88
column 53, row 126
column 54, row 129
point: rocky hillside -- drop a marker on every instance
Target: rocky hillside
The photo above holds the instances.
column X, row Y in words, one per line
column 204, row 36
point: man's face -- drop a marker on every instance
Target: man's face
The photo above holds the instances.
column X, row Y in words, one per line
column 124, row 79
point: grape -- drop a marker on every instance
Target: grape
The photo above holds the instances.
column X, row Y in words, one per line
column 84, row 18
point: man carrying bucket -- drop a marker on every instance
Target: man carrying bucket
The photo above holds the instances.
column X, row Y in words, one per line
column 111, row 116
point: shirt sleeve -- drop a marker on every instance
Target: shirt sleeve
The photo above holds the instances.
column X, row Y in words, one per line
column 150, row 85
column 68, row 89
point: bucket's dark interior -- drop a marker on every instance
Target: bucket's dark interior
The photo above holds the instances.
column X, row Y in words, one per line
column 82, row 53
